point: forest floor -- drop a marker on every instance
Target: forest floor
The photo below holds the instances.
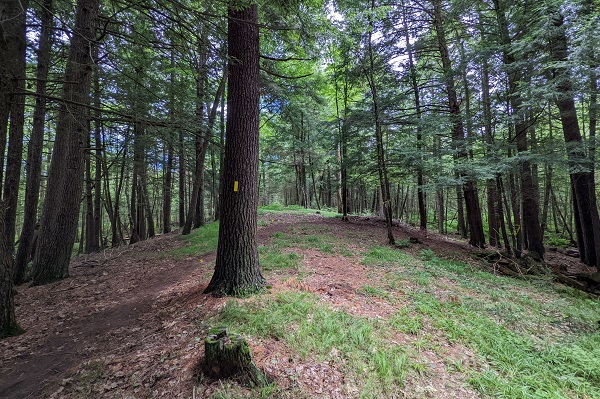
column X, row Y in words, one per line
column 346, row 316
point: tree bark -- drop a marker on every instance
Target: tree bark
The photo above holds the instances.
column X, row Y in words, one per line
column 237, row 269
column 198, row 187
column 585, row 210
column 476, row 235
column 384, row 183
column 230, row 356
column 65, row 177
column 8, row 323
column 417, row 100
column 33, row 166
column 529, row 197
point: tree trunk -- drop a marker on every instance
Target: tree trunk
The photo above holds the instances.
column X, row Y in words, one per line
column 341, row 150
column 12, row 81
column 34, row 152
column 476, row 235
column 384, row 183
column 65, row 177
column 8, row 323
column 221, row 156
column 198, row 188
column 417, row 100
column 492, row 200
column 138, row 201
column 585, row 211
column 97, row 241
column 182, row 172
column 531, row 230
column 237, row 270
column 88, row 205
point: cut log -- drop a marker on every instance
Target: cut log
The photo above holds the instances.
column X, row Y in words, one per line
column 230, row 357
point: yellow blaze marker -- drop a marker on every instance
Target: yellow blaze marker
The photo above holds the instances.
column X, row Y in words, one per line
column 235, row 185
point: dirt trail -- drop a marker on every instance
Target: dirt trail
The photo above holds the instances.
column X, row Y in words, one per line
column 113, row 301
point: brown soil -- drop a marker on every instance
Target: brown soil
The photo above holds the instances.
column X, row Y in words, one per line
column 129, row 322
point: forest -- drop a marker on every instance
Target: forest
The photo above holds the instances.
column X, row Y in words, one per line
column 472, row 123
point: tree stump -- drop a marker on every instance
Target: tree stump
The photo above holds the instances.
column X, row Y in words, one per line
column 230, row 357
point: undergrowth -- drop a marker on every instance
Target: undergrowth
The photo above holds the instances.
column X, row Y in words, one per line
column 532, row 339
column 525, row 338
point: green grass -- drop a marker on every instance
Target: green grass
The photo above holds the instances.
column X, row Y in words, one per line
column 532, row 339
column 507, row 323
column 353, row 343
column 385, row 256
column 295, row 210
column 200, row 241
column 302, row 237
column 272, row 258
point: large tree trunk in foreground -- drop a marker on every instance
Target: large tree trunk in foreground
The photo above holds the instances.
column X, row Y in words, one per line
column 587, row 221
column 65, row 177
column 237, row 270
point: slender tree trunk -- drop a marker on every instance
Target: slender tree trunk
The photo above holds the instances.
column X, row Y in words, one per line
column 167, row 188
column 117, row 230
column 384, row 183
column 146, row 198
column 88, row 205
column 65, row 177
column 221, row 157
column 237, row 269
column 198, row 188
column 342, row 144
column 196, row 210
column 500, row 210
column 34, row 151
column 492, row 196
column 97, row 240
column 417, row 100
column 182, row 171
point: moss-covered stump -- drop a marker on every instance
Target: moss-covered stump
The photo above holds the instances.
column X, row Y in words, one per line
column 230, row 357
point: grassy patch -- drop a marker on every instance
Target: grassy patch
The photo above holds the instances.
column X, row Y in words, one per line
column 295, row 210
column 313, row 330
column 384, row 256
column 200, row 241
column 375, row 292
column 303, row 238
column 531, row 339
column 508, row 324
column 274, row 259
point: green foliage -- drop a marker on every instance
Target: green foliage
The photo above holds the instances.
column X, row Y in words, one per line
column 560, row 242
column 200, row 241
